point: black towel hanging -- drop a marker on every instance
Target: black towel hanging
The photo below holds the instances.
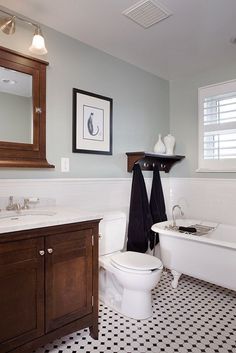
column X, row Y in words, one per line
column 140, row 219
column 157, row 205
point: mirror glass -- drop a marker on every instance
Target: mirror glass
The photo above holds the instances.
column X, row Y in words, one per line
column 16, row 112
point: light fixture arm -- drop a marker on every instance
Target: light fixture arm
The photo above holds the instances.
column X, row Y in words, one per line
column 20, row 18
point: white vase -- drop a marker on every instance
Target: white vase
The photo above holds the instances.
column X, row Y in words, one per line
column 169, row 141
column 159, row 146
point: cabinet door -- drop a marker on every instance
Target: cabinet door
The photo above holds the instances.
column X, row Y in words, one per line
column 68, row 277
column 21, row 292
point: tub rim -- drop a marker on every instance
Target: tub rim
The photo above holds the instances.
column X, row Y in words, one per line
column 159, row 228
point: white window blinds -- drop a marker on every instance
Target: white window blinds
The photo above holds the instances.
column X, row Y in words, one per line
column 217, row 127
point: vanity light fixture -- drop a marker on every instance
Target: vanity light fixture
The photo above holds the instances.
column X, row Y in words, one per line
column 8, row 26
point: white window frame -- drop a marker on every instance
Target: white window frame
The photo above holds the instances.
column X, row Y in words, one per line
column 206, row 165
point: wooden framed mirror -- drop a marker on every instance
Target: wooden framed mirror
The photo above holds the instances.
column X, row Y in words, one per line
column 23, row 111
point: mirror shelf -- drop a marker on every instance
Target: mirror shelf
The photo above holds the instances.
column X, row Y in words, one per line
column 30, row 128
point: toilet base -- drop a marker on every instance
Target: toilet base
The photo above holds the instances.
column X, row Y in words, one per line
column 135, row 311
column 137, row 305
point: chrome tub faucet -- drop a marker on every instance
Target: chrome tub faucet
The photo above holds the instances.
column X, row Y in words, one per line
column 173, row 214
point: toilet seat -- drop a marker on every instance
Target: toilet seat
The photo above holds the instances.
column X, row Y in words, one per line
column 136, row 262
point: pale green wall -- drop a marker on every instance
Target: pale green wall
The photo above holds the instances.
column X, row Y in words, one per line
column 184, row 118
column 141, row 105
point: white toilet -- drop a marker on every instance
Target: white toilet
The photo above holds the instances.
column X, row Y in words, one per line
column 125, row 278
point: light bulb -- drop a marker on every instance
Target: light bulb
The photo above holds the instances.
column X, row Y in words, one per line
column 38, row 43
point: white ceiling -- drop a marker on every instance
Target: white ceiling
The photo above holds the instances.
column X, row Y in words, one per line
column 195, row 38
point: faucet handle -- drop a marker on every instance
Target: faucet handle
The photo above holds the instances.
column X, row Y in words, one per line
column 26, row 204
column 9, row 206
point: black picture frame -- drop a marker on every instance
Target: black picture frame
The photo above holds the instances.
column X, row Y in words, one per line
column 92, row 123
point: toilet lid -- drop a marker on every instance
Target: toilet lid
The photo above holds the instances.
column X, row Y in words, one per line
column 136, row 261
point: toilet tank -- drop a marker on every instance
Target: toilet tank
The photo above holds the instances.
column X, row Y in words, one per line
column 112, row 230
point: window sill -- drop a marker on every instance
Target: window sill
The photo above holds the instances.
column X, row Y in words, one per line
column 201, row 170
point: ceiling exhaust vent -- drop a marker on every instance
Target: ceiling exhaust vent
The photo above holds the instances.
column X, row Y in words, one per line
column 147, row 13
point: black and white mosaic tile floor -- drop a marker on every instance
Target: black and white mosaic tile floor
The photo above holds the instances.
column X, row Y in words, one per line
column 197, row 317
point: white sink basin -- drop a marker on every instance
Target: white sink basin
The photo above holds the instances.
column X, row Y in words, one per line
column 14, row 215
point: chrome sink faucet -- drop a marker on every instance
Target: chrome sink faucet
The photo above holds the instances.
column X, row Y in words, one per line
column 173, row 214
column 18, row 207
column 26, row 205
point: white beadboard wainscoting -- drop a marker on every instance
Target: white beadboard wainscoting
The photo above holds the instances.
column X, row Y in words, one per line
column 201, row 198
column 205, row 198
column 88, row 194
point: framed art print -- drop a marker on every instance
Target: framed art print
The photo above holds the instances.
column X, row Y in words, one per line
column 92, row 123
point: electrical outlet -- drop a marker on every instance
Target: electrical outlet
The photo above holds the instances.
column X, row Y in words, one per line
column 65, row 165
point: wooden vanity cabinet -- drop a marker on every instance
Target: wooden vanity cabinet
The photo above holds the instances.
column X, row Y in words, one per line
column 21, row 292
column 48, row 284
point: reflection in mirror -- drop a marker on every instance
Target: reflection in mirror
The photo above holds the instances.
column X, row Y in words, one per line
column 16, row 113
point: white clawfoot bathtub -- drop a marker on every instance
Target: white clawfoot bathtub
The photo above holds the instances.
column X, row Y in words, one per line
column 210, row 257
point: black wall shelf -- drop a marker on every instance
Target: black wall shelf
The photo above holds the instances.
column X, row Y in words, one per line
column 147, row 160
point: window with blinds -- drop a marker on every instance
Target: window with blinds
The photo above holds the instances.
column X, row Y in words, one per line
column 217, row 127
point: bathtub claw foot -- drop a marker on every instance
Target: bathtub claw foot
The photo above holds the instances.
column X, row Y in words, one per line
column 176, row 276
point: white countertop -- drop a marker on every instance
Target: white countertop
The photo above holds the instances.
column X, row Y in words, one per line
column 13, row 221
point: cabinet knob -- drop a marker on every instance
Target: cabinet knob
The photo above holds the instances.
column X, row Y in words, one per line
column 41, row 252
column 50, row 250
column 38, row 110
